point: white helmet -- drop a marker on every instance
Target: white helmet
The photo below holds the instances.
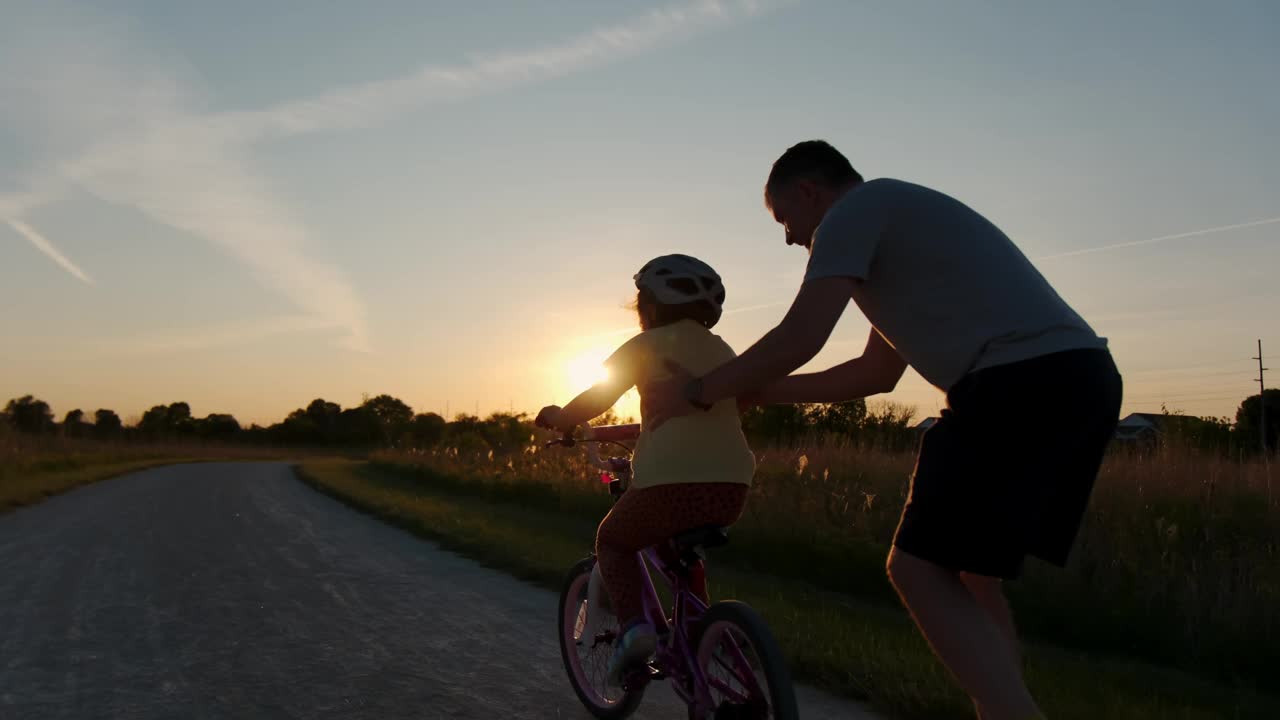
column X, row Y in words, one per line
column 681, row 279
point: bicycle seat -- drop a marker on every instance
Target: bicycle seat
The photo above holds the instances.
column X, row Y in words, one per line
column 706, row 537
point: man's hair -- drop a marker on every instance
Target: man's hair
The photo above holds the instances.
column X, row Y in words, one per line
column 812, row 160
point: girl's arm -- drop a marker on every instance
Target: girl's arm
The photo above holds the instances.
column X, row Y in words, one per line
column 592, row 403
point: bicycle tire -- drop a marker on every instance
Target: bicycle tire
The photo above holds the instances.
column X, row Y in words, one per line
column 601, row 707
column 747, row 622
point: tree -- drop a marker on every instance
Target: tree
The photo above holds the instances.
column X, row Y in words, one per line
column 1202, row 433
column 324, row 417
column 218, row 427
column 1249, row 419
column 106, row 423
column 503, row 431
column 28, row 414
column 888, row 425
column 776, row 423
column 155, row 421
column 359, row 427
column 843, row 418
column 427, row 430
column 391, row 415
column 179, row 418
column 73, row 424
column 172, row 419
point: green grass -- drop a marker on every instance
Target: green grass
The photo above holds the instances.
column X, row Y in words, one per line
column 1177, row 563
column 860, row 648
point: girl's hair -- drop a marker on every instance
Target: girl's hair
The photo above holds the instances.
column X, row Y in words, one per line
column 653, row 314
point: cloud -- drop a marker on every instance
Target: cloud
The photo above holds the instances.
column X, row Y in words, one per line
column 207, row 338
column 372, row 102
column 137, row 115
column 1071, row 253
column 43, row 245
column 146, row 146
column 1162, row 238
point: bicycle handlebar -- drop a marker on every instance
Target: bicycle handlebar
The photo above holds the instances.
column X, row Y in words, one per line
column 593, row 436
column 615, row 433
column 601, row 433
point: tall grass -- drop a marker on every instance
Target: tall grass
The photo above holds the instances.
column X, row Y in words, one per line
column 1177, row 562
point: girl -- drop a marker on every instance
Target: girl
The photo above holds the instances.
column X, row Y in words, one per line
column 692, row 471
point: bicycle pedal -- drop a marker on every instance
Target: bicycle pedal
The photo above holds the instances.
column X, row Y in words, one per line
column 639, row 678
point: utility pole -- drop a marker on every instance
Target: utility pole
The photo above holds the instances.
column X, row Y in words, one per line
column 1262, row 398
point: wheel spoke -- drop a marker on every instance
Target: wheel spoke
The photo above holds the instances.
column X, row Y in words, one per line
column 589, row 655
column 732, row 668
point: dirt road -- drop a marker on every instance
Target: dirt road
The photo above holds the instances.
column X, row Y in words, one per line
column 234, row 591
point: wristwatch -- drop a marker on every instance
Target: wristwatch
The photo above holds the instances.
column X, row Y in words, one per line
column 693, row 395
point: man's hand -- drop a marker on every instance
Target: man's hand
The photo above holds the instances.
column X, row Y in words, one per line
column 662, row 400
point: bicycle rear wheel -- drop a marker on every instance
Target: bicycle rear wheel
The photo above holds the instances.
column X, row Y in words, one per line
column 586, row 659
column 744, row 667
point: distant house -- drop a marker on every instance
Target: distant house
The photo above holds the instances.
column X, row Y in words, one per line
column 1141, row 427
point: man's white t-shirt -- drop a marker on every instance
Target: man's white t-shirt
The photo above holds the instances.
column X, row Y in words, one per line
column 942, row 284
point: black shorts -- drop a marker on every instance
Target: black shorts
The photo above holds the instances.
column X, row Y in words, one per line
column 1008, row 469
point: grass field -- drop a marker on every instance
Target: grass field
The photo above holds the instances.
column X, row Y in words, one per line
column 1168, row 608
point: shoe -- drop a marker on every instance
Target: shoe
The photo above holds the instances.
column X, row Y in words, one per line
column 634, row 648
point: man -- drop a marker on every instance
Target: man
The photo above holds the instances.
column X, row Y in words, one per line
column 949, row 294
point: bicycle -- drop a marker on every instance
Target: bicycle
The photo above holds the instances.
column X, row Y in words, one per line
column 723, row 660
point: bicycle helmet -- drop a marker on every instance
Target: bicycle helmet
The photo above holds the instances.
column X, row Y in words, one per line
column 681, row 279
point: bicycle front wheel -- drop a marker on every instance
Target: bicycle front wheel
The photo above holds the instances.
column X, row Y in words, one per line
column 586, row 645
column 743, row 665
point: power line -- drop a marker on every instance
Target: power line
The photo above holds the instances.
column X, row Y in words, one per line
column 1183, row 384
column 1185, row 395
column 1187, row 368
column 1223, row 373
column 1239, row 391
column 1235, row 388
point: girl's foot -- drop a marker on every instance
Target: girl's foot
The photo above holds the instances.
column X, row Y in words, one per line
column 634, row 648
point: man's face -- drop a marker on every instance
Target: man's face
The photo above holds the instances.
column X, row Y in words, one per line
column 799, row 207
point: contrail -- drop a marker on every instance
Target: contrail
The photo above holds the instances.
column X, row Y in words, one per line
column 370, row 102
column 1055, row 256
column 193, row 172
column 43, row 245
column 1162, row 238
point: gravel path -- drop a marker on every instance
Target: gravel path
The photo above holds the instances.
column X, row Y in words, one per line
column 234, row 591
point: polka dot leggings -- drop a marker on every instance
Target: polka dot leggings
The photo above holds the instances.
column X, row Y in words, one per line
column 649, row 516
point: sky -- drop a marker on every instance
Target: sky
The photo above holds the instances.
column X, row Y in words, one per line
column 247, row 206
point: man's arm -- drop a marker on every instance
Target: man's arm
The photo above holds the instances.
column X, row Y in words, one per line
column 876, row 371
column 794, row 342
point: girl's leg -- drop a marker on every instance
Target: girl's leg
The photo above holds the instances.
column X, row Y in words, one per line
column 649, row 516
column 697, row 571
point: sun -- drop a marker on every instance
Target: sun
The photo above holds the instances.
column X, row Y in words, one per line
column 586, row 369
column 580, row 372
